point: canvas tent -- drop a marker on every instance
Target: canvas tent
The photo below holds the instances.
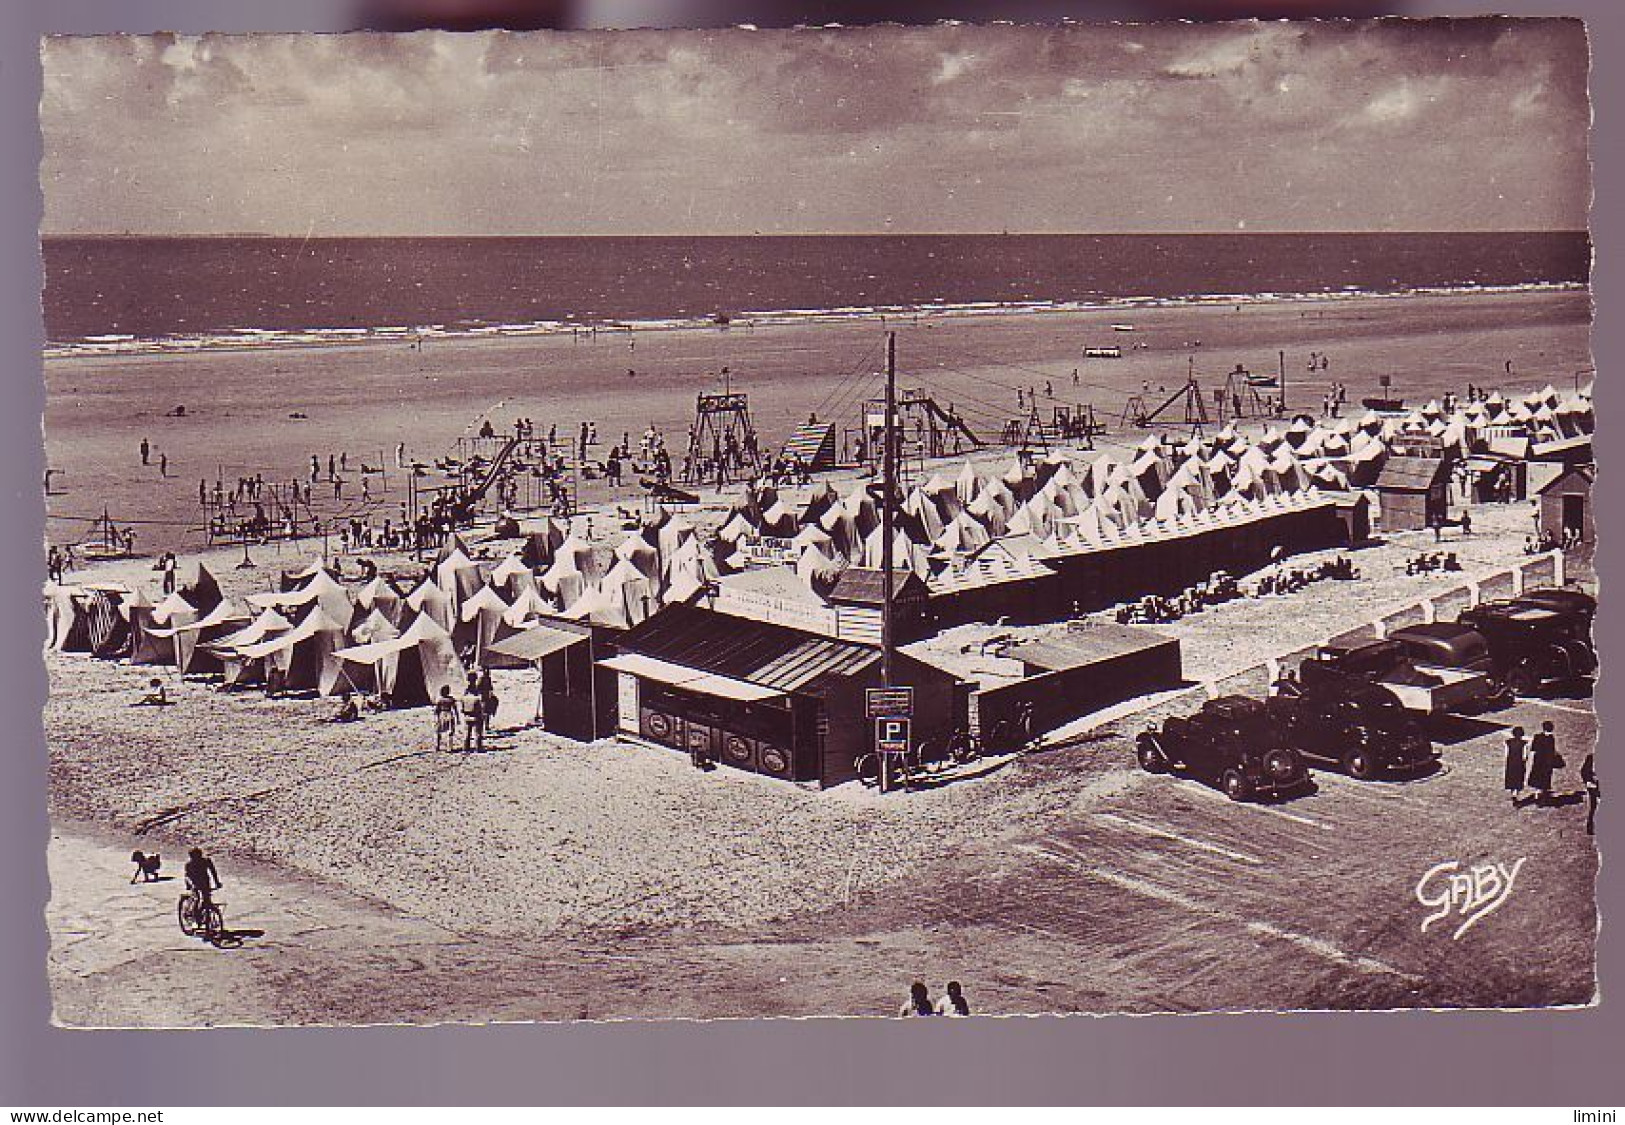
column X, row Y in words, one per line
column 411, row 668
column 299, row 659
column 191, row 639
column 152, row 637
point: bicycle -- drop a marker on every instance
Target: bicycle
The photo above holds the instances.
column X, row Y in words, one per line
column 197, row 917
column 903, row 768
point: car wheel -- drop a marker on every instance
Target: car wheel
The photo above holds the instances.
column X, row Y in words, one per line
column 1522, row 681
column 1235, row 785
column 1359, row 764
column 1152, row 758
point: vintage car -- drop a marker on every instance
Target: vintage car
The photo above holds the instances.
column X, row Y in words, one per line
column 1445, row 648
column 1230, row 743
column 1426, row 685
column 1352, row 723
column 1532, row 646
column 1575, row 603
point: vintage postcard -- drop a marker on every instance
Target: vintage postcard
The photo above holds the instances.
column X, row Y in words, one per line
column 943, row 521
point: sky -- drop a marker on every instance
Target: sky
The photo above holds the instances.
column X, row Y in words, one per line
column 1395, row 125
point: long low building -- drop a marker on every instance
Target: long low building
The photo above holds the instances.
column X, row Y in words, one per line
column 1023, row 578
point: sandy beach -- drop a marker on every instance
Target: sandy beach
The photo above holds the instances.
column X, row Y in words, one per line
column 623, row 865
column 363, row 400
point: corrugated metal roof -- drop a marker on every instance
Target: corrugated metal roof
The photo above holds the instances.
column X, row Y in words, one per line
column 757, row 651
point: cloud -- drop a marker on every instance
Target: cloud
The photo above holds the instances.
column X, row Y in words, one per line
column 951, row 128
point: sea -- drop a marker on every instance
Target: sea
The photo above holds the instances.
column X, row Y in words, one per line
column 127, row 293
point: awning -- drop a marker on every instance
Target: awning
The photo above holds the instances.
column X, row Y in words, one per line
column 536, row 642
column 689, row 679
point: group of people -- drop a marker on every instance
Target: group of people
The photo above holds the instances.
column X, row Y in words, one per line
column 1429, row 562
column 1546, row 541
column 474, row 710
column 1534, row 763
column 1335, row 398
column 146, row 457
column 1155, row 609
column 919, row 1002
column 58, row 561
column 1289, row 580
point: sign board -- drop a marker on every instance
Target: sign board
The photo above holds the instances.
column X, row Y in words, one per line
column 892, row 736
column 889, row 703
column 767, row 550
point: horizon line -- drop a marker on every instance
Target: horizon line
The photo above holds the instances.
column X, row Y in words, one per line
column 43, row 235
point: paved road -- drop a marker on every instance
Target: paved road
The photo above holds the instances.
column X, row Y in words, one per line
column 1155, row 894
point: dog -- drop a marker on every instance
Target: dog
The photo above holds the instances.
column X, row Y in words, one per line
column 146, row 867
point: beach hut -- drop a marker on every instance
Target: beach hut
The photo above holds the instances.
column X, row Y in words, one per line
column 410, row 669
column 191, row 640
column 240, row 670
column 429, row 600
column 152, row 636
column 317, row 588
column 301, row 658
column 383, row 595
column 478, row 619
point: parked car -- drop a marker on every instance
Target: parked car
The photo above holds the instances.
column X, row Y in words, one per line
column 1532, row 646
column 1421, row 686
column 1456, row 653
column 1575, row 603
column 1356, row 725
column 1230, row 743
column 1560, row 598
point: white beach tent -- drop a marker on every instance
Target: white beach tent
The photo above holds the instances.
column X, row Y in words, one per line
column 301, row 658
column 152, row 629
column 410, row 669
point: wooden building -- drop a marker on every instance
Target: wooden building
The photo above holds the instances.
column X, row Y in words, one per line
column 1080, row 670
column 575, row 697
column 1414, row 493
column 765, row 697
column 1566, row 509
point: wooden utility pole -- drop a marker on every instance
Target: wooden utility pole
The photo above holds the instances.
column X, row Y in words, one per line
column 888, row 477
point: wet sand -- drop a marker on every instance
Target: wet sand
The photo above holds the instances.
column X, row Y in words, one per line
column 364, row 399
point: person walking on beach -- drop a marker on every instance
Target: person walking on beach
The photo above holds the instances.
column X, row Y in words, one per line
column 315, row 469
column 918, row 1002
column 1544, row 762
column 445, row 719
column 473, row 705
column 163, row 464
column 1514, row 777
column 146, row 452
column 953, row 1002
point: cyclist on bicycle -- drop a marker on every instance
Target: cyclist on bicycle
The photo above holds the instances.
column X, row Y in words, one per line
column 202, row 877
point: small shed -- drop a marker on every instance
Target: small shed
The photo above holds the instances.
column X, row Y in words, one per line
column 1086, row 667
column 1565, row 506
column 1414, row 493
column 859, row 596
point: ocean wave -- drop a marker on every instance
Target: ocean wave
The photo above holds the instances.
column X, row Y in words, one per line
column 240, row 339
